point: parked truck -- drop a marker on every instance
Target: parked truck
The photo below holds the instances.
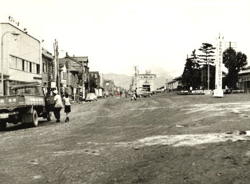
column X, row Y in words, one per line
column 25, row 104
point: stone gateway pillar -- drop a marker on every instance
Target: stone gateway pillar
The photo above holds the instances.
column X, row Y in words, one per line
column 218, row 92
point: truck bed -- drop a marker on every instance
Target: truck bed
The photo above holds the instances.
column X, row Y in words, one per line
column 16, row 101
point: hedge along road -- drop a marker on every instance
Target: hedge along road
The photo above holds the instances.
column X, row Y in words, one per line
column 162, row 139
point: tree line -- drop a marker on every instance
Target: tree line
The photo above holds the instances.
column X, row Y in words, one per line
column 199, row 70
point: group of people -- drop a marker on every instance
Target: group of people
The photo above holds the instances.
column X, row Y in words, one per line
column 59, row 104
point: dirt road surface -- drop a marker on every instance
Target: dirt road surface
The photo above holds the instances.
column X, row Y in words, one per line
column 162, row 139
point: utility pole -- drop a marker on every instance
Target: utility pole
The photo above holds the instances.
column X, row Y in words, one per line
column 57, row 77
column 136, row 75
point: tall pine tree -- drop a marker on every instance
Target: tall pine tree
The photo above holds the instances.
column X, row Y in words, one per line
column 191, row 73
column 207, row 59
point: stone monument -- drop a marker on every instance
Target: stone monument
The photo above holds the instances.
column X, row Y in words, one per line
column 218, row 92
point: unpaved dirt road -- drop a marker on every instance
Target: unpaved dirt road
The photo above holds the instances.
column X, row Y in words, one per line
column 162, row 139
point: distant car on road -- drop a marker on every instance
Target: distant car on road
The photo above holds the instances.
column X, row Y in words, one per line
column 146, row 94
column 160, row 90
column 91, row 97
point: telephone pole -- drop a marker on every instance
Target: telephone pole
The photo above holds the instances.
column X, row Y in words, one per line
column 136, row 75
column 56, row 61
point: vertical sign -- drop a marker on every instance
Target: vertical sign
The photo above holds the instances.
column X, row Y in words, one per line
column 218, row 92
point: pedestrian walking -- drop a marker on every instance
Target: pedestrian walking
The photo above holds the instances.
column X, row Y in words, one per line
column 67, row 106
column 133, row 96
column 58, row 105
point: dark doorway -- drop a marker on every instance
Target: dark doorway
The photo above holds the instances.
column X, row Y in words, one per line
column 146, row 87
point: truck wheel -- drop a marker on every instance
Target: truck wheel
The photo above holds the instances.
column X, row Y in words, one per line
column 34, row 119
column 3, row 126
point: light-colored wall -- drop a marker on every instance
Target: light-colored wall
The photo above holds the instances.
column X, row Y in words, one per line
column 149, row 78
column 23, row 47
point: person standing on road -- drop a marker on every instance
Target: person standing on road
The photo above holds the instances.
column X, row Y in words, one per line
column 58, row 105
column 67, row 106
column 133, row 96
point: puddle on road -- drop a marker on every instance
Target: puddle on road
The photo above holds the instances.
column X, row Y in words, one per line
column 176, row 140
column 189, row 139
column 72, row 152
column 221, row 108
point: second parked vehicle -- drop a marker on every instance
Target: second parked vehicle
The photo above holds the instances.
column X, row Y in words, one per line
column 91, row 97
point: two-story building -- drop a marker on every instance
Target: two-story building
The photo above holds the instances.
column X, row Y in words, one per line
column 21, row 58
column 109, row 86
column 74, row 75
column 68, row 76
column 144, row 82
column 244, row 80
column 95, row 79
column 48, row 73
column 82, row 67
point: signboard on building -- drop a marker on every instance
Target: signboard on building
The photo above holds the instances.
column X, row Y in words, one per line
column 53, row 85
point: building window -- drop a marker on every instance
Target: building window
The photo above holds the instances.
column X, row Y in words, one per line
column 34, row 68
column 13, row 62
column 44, row 68
column 38, row 69
column 30, row 67
column 27, row 66
column 23, row 65
column 19, row 64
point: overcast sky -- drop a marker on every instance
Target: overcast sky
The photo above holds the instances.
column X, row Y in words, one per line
column 116, row 35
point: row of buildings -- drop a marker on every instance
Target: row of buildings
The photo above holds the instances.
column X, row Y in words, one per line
column 23, row 60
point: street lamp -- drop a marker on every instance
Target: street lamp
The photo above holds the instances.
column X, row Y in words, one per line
column 13, row 33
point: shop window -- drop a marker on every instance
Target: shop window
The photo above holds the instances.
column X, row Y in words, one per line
column 38, row 69
column 19, row 64
column 34, row 68
column 44, row 68
column 27, row 66
column 30, row 67
column 23, row 65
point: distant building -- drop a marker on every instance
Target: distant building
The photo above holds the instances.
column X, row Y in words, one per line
column 144, row 82
column 74, row 75
column 47, row 69
column 109, row 86
column 83, row 69
column 244, row 80
column 96, row 77
column 175, row 83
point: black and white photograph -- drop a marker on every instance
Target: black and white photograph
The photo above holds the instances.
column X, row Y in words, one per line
column 125, row 92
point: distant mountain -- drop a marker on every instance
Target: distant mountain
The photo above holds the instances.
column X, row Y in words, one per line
column 119, row 79
column 125, row 80
column 160, row 81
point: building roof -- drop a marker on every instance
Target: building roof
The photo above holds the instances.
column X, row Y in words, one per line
column 175, row 80
column 62, row 62
column 47, row 54
column 93, row 72
column 244, row 71
column 81, row 58
column 20, row 30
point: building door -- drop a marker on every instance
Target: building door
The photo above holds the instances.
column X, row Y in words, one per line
column 146, row 87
